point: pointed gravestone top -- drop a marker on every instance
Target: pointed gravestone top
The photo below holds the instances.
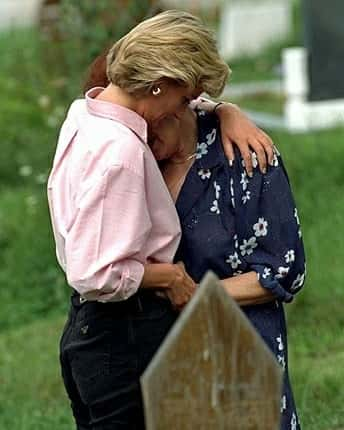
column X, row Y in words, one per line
column 213, row 371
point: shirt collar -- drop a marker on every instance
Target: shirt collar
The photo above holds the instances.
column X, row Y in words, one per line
column 116, row 112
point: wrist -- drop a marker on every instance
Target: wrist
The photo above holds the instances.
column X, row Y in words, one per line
column 226, row 108
column 159, row 275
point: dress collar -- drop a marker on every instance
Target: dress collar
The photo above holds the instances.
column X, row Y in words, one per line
column 118, row 113
column 209, row 147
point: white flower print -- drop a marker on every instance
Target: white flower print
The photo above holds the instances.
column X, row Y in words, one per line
column 261, row 227
column 204, row 173
column 283, row 403
column 280, row 343
column 299, row 233
column 211, row 137
column 234, row 260
column 266, row 272
column 244, row 180
column 201, row 112
column 236, row 242
column 232, row 187
column 298, row 282
column 290, row 256
column 245, row 198
column 215, row 208
column 282, row 272
column 202, row 149
column 248, row 246
column 293, row 422
column 217, row 190
column 296, row 215
column 232, row 192
column 281, row 360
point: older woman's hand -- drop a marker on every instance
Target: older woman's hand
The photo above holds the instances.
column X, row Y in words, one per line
column 238, row 129
column 182, row 288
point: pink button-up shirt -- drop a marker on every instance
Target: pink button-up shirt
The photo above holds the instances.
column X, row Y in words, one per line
column 110, row 208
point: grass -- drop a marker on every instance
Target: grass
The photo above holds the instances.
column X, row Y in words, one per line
column 33, row 294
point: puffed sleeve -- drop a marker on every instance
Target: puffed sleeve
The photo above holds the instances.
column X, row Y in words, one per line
column 104, row 245
column 268, row 228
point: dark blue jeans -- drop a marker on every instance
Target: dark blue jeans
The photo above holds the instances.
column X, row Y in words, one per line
column 104, row 349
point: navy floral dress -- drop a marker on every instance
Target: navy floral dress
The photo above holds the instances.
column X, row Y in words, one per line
column 233, row 224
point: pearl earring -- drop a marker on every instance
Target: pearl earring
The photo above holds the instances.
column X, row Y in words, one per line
column 156, row 91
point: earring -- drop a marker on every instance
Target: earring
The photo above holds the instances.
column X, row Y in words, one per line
column 156, row 91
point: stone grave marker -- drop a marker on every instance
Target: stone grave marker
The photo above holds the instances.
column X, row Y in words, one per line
column 249, row 26
column 324, row 40
column 213, row 371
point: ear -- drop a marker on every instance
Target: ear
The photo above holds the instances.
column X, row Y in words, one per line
column 161, row 85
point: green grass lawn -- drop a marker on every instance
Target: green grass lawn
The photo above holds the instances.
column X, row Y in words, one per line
column 34, row 297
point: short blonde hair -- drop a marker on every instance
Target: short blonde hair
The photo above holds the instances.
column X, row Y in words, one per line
column 172, row 45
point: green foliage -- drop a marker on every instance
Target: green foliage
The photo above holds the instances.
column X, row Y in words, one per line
column 89, row 27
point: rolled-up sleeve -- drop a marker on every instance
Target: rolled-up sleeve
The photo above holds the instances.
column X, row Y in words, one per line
column 104, row 244
column 271, row 239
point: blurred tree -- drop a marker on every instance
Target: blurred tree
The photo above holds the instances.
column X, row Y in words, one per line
column 79, row 30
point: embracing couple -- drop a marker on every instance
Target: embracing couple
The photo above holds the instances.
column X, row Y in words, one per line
column 146, row 194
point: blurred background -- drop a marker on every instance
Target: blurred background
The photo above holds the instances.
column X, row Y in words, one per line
column 287, row 58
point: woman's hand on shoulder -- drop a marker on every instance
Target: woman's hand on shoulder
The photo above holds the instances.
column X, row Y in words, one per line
column 237, row 129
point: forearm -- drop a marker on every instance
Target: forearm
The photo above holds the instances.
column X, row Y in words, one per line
column 158, row 275
column 246, row 290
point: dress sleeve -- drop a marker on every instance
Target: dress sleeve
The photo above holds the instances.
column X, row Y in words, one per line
column 269, row 233
column 105, row 243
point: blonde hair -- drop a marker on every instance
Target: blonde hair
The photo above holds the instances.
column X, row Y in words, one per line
column 172, row 45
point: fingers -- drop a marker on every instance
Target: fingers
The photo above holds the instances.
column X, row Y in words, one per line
column 260, row 153
column 268, row 145
column 263, row 146
column 229, row 150
column 247, row 157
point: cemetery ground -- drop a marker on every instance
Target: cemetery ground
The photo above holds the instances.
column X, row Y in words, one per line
column 33, row 294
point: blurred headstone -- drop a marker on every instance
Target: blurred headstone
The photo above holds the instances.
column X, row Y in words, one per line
column 249, row 26
column 18, row 13
column 213, row 371
column 324, row 34
column 313, row 75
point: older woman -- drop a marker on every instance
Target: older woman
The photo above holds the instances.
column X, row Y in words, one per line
column 244, row 229
column 115, row 224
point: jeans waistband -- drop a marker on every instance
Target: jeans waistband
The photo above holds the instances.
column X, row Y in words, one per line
column 137, row 301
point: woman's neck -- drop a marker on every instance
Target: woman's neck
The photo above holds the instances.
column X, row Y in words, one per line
column 114, row 94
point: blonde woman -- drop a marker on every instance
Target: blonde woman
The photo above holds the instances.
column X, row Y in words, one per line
column 115, row 224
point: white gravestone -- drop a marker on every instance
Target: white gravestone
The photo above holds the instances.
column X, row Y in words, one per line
column 302, row 115
column 19, row 13
column 249, row 26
